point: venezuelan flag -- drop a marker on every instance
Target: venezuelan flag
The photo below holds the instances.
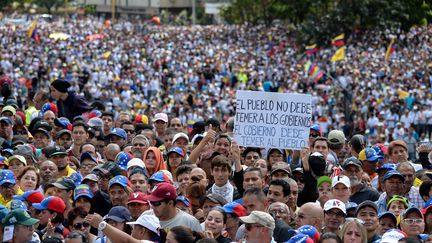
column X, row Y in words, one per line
column 311, row 49
column 390, row 49
column 190, row 124
column 339, row 40
column 32, row 31
column 156, row 20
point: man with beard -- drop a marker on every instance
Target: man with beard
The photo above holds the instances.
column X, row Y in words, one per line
column 59, row 156
column 139, row 145
column 359, row 191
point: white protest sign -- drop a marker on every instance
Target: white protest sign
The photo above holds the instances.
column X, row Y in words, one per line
column 273, row 120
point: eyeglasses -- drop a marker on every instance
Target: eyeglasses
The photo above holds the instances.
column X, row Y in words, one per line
column 413, row 221
column 250, row 226
column 130, row 131
column 299, row 179
column 81, row 225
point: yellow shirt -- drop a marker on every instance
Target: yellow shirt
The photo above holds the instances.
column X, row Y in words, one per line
column 5, row 202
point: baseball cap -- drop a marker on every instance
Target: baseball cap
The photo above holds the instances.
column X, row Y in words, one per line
column 352, row 161
column 335, row 203
column 411, row 210
column 63, row 123
column 336, row 139
column 310, row 231
column 316, row 128
column 137, row 197
column 149, row 222
column 119, row 132
column 119, row 214
column 162, row 191
column 184, row 200
column 19, row 216
column 176, row 150
column 258, row 217
column 300, row 238
column 31, row 196
column 196, row 137
column 120, row 180
column 82, row 190
column 317, row 163
column 364, row 204
column 122, row 159
column 386, row 167
column 63, row 131
column 135, row 162
column 53, row 203
column 341, row 180
column 357, row 142
column 57, row 150
column 24, row 150
column 16, row 204
column 280, row 166
column 368, row 154
column 3, row 211
column 393, row 173
column 87, row 155
column 3, row 160
column 45, row 132
column 161, row 117
column 49, row 107
column 216, row 198
column 42, row 125
column 95, row 122
column 234, row 208
column 141, row 119
column 7, row 176
column 159, row 177
column 323, row 179
column 379, row 149
column 397, row 198
column 9, row 108
column 20, row 158
column 350, row 205
column 90, row 177
column 64, row 183
column 393, row 236
column 180, row 135
column 6, row 120
column 388, row 214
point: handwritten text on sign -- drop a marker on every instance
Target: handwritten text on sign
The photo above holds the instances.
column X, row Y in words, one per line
column 272, row 120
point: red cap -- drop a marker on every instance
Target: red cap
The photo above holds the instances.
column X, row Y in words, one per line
column 35, row 197
column 162, row 191
column 137, row 197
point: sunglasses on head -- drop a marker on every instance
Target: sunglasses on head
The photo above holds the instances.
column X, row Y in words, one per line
column 250, row 226
column 81, row 225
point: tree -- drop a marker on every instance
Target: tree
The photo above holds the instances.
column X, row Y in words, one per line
column 49, row 4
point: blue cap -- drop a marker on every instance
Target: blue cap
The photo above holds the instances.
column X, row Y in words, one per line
column 62, row 122
column 235, row 208
column 87, row 155
column 388, row 214
column 184, row 200
column 120, row 180
column 15, row 204
column 119, row 132
column 379, row 152
column 119, row 214
column 300, row 238
column 386, row 167
column 8, row 150
column 159, row 177
column 82, row 190
column 316, row 128
column 6, row 119
column 7, row 176
column 368, row 154
column 393, row 173
column 122, row 159
column 176, row 150
column 76, row 177
column 350, row 205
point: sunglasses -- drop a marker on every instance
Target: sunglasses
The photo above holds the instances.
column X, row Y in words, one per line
column 299, row 179
column 81, row 225
column 156, row 204
column 314, row 135
column 250, row 226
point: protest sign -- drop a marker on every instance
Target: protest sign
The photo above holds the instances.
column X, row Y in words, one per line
column 273, row 120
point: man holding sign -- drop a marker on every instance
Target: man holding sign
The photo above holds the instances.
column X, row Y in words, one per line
column 273, row 120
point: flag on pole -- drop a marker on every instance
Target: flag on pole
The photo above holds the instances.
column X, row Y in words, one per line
column 339, row 55
column 390, row 49
column 311, row 49
column 156, row 20
column 312, row 70
column 32, row 31
column 339, row 40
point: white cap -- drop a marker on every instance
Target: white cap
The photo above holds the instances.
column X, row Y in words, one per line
column 341, row 179
column 180, row 135
column 335, row 203
column 136, row 162
column 149, row 222
column 393, row 236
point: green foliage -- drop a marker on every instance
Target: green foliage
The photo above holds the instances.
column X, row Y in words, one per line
column 319, row 20
column 49, row 4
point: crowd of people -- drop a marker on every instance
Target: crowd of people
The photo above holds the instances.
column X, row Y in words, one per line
column 124, row 133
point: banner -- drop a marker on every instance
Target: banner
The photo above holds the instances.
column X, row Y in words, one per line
column 273, row 120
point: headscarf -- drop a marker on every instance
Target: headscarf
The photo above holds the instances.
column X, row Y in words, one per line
column 160, row 165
